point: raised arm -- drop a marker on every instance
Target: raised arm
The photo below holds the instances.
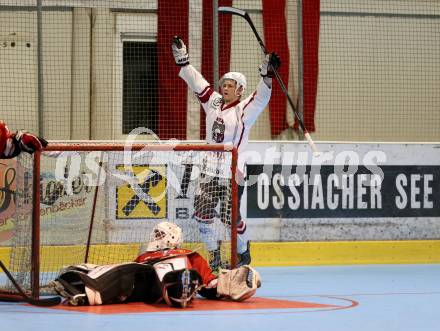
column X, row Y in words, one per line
column 257, row 101
column 189, row 74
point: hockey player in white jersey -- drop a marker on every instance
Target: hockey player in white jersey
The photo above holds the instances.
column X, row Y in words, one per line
column 228, row 120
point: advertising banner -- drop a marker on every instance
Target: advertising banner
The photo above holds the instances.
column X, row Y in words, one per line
column 322, row 192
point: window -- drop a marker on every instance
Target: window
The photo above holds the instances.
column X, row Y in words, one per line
column 139, row 101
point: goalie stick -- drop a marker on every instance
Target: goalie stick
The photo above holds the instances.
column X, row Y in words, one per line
column 245, row 15
column 22, row 296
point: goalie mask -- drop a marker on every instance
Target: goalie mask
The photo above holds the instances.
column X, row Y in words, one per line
column 239, row 79
column 165, row 235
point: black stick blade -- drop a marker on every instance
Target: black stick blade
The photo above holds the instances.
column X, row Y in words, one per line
column 22, row 296
column 232, row 10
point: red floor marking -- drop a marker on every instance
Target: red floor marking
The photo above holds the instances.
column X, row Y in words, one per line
column 197, row 305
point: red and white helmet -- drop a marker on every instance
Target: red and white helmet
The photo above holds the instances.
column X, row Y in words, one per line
column 165, row 235
column 238, row 77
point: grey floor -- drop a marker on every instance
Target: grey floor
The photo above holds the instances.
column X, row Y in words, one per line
column 366, row 297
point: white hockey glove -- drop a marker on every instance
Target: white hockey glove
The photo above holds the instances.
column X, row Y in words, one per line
column 270, row 63
column 179, row 52
column 238, row 284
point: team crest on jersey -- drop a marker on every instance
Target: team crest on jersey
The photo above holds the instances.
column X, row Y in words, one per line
column 216, row 102
column 218, row 130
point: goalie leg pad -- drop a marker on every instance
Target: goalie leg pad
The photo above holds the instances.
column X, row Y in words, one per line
column 96, row 285
column 180, row 287
column 70, row 286
column 238, row 284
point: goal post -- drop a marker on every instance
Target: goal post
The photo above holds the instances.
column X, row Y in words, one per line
column 98, row 202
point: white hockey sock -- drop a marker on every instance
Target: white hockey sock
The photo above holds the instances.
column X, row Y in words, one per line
column 242, row 237
column 207, row 234
column 242, row 240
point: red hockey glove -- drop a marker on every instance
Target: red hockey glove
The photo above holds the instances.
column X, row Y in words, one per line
column 29, row 142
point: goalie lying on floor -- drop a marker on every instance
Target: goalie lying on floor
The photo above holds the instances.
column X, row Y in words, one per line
column 163, row 273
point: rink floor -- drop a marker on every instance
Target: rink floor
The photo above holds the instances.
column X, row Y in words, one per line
column 360, row 297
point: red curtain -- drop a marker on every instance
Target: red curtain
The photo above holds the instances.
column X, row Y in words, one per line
column 224, row 45
column 275, row 37
column 172, row 91
column 310, row 27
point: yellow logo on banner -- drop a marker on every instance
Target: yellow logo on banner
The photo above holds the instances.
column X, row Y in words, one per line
column 147, row 199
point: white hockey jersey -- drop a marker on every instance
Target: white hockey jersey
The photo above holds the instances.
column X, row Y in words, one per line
column 226, row 123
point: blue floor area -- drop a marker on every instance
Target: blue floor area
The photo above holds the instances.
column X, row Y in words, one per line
column 370, row 297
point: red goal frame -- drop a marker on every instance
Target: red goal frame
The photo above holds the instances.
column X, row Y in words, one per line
column 110, row 146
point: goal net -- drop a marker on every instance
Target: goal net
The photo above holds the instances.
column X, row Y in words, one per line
column 98, row 203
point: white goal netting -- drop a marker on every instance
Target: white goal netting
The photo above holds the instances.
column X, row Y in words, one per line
column 100, row 206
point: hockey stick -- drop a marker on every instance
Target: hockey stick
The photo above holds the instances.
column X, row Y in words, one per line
column 42, row 302
column 245, row 15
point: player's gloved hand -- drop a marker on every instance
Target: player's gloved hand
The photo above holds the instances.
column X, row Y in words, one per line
column 270, row 64
column 212, row 284
column 179, row 52
column 29, row 142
